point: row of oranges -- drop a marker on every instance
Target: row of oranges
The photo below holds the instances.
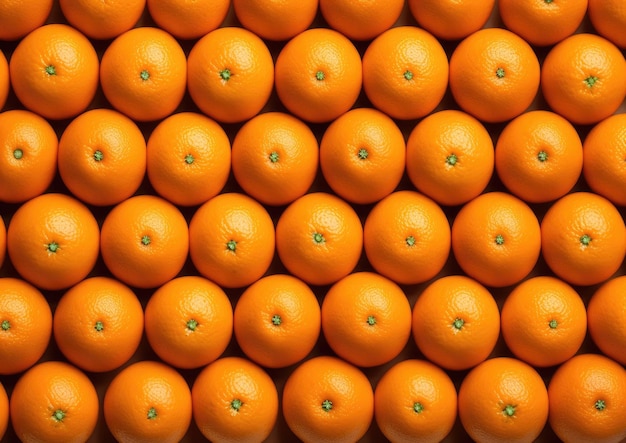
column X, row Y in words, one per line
column 274, row 264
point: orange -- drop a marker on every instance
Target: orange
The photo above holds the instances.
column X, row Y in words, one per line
column 450, row 157
column 148, row 401
column 54, row 402
column 188, row 158
column 582, row 78
column 456, row 322
column 496, row 239
column 543, row 321
column 494, row 75
column 18, row 18
column 361, row 20
column 539, row 156
column 4, row 411
column 604, row 151
column 407, row 237
column 232, row 240
column 318, row 75
column 608, row 17
column 54, row 71
column 405, row 72
column 188, row 19
column 503, row 400
column 583, row 238
column 366, row 319
column 319, row 238
column 415, row 400
column 143, row 73
column 3, row 241
column 5, row 82
column 144, row 241
column 451, row 19
column 277, row 321
column 234, row 400
column 98, row 324
column 25, row 325
column 588, row 399
column 542, row 23
column 275, row 157
column 230, row 74
column 28, row 155
column 102, row 20
column 328, row 399
column 363, row 155
column 53, row 241
column 605, row 312
column 189, row 321
column 276, row 19
column 102, row 157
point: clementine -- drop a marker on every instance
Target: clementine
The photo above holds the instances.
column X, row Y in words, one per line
column 234, row 400
column 605, row 311
column 3, row 241
column 451, row 19
column 102, row 20
column 277, row 321
column 18, row 18
column 232, row 240
column 361, row 20
column 5, row 82
column 4, row 411
column 277, row 20
column 188, row 20
column 25, row 325
column 53, row 241
column 608, row 18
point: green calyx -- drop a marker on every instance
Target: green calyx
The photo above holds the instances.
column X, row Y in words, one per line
column 318, row 238
column 319, row 76
column 145, row 240
column 600, row 405
column 362, row 154
column 276, row 320
column 236, row 404
column 52, row 246
column 371, row 320
column 327, row 405
column 553, row 324
column 591, row 80
column 98, row 156
column 499, row 239
column 231, row 245
column 152, row 414
column 408, row 75
column 418, row 407
column 18, row 154
column 458, row 323
column 274, row 157
column 542, row 156
column 585, row 240
column 58, row 415
column 509, row 410
column 191, row 324
column 189, row 159
column 98, row 326
column 51, row 70
column 144, row 75
column 410, row 240
column 225, row 74
column 452, row 159
column 5, row 325
column 500, row 73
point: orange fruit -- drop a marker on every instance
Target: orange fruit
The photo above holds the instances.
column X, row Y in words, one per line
column 604, row 150
column 496, row 239
column 54, row 71
column 588, row 399
column 276, row 19
column 28, row 156
column 232, row 240
column 188, row 158
column 405, row 72
column 5, row 82
column 415, row 400
column 503, row 400
column 539, row 156
column 406, row 237
column 366, row 319
column 328, row 399
column 456, row 322
column 318, row 75
column 234, row 400
column 451, row 19
column 608, row 18
column 3, row 241
column 53, row 241
column 102, row 20
column 25, row 325
column 188, row 20
column 450, row 157
column 102, row 157
column 230, row 74
column 4, row 411
column 363, row 155
column 543, row 321
column 189, row 321
column 494, row 75
column 54, row 402
column 583, row 238
column 98, row 324
column 18, row 18
column 361, row 20
column 143, row 73
column 605, row 312
column 144, row 241
column 148, row 401
column 542, row 23
column 319, row 238
column 275, row 157
column 581, row 78
column 277, row 321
